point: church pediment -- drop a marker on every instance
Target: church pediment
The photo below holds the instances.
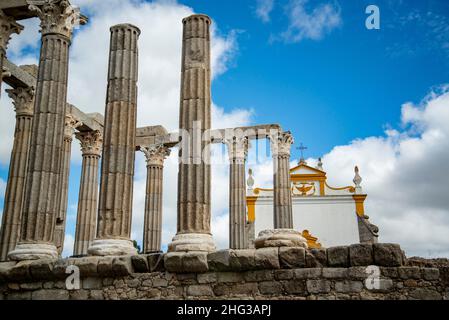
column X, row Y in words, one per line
column 304, row 169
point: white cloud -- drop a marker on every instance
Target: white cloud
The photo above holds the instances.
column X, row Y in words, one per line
column 264, row 9
column 311, row 24
column 69, row 242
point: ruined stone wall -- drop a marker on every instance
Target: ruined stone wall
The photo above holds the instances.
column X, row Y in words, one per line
column 272, row 273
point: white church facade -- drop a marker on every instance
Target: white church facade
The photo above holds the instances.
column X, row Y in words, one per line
column 327, row 216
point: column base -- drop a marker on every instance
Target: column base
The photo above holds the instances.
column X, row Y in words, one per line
column 280, row 238
column 185, row 242
column 111, row 247
column 33, row 251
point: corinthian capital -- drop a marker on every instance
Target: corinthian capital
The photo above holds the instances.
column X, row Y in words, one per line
column 8, row 26
column 237, row 147
column 91, row 142
column 57, row 16
column 155, row 154
column 70, row 125
column 281, row 143
column 23, row 100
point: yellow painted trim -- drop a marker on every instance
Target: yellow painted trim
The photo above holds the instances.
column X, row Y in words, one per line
column 349, row 188
column 257, row 190
column 311, row 240
column 359, row 204
column 322, row 192
column 310, row 168
column 251, row 205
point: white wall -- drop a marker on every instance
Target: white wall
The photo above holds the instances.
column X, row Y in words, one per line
column 332, row 219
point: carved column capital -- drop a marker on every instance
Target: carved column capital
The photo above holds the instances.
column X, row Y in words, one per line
column 237, row 147
column 155, row 154
column 70, row 125
column 58, row 17
column 8, row 26
column 23, row 100
column 281, row 143
column 91, row 142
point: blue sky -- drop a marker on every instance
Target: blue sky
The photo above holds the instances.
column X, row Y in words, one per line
column 311, row 66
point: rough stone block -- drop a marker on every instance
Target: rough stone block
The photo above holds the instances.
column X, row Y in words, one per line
column 284, row 274
column 241, row 260
column 219, row 260
column 79, row 295
column 60, row 268
column 173, row 261
column 87, row 266
column 361, row 255
column 31, row 286
column 243, row 289
column 318, row 286
column 431, row 274
column 92, row 283
column 258, row 275
column 292, row 257
column 156, row 262
column 140, row 263
column 316, row 258
column 201, row 290
column 19, row 295
column 338, row 256
column 5, row 268
column 42, row 269
column 388, row 255
column 133, row 283
column 160, row 282
column 267, row 258
column 348, row 286
column 379, row 285
column 335, row 273
column 358, row 273
column 104, row 267
column 389, row 272
column 50, row 294
column 122, row 266
column 96, row 295
column 230, row 277
column 20, row 271
column 295, row 286
column 195, row 262
column 270, row 287
column 409, row 273
column 425, row 294
column 308, row 273
column 209, row 277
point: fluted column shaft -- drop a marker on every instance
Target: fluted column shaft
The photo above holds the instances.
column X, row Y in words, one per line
column 46, row 147
column 117, row 169
column 8, row 26
column 23, row 99
column 88, row 193
column 152, row 233
column 195, row 118
column 280, row 146
column 237, row 149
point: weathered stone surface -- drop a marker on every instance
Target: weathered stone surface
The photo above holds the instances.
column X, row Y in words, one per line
column 243, row 289
column 316, row 258
column 92, row 283
column 79, row 295
column 361, row 255
column 284, row 274
column 258, row 275
column 219, row 260
column 156, row 262
column 431, row 273
column 348, row 286
column 318, row 286
column 42, row 269
column 335, row 273
column 308, row 273
column 122, row 266
column 270, row 287
column 242, row 259
column 195, row 262
column 87, row 266
column 140, row 263
column 409, row 272
column 292, row 257
column 200, row 291
column 338, row 256
column 388, row 255
column 21, row 271
column 294, row 286
column 425, row 294
column 267, row 258
column 5, row 268
column 209, row 277
column 50, row 294
column 104, row 267
column 230, row 277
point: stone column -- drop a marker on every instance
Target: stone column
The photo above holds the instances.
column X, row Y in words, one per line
column 283, row 233
column 23, row 99
column 46, row 147
column 63, row 190
column 87, row 200
column 193, row 231
column 238, row 150
column 119, row 144
column 8, row 26
column 152, row 232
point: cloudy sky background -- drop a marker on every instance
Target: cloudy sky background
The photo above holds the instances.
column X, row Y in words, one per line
column 376, row 99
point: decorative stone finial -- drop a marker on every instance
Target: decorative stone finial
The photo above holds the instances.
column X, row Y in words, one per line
column 250, row 180
column 155, row 154
column 357, row 181
column 319, row 165
column 58, row 16
column 8, row 26
column 23, row 100
column 91, row 142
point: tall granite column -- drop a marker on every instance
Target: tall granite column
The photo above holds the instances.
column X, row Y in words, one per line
column 282, row 204
column 23, row 100
column 193, row 225
column 152, row 232
column 91, row 142
column 283, row 233
column 237, row 149
column 63, row 190
column 119, row 144
column 46, row 147
column 8, row 26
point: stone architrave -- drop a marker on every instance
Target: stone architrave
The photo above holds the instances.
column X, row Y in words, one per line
column 23, row 100
column 8, row 26
column 152, row 232
column 119, row 143
column 69, row 130
column 237, row 150
column 91, row 142
column 193, row 223
column 46, row 147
